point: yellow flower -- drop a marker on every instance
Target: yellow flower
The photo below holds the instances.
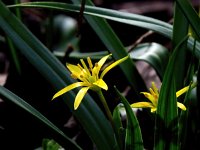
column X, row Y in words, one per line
column 89, row 77
column 153, row 96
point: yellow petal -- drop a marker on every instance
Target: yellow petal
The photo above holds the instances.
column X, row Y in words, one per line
column 153, row 109
column 100, row 83
column 183, row 90
column 74, row 69
column 68, row 88
column 142, row 105
column 113, row 65
column 151, row 98
column 181, row 106
column 79, row 96
column 103, row 60
column 96, row 69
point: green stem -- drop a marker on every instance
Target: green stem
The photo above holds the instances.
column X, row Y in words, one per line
column 109, row 114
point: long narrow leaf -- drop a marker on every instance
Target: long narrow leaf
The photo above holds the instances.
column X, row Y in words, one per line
column 149, row 23
column 190, row 14
column 24, row 105
column 118, row 127
column 128, row 18
column 89, row 114
column 133, row 138
column 180, row 30
column 166, row 134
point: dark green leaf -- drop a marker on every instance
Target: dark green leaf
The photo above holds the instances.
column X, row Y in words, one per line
column 133, row 138
column 119, row 130
column 89, row 114
column 166, row 134
column 149, row 23
column 154, row 54
column 180, row 30
column 190, row 14
column 24, row 105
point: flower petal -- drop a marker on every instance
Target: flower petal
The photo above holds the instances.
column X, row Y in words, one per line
column 79, row 96
column 100, row 83
column 153, row 109
column 151, row 98
column 68, row 88
column 97, row 67
column 142, row 105
column 113, row 65
column 181, row 106
column 74, row 69
column 183, row 90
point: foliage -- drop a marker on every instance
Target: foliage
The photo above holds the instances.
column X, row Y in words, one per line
column 107, row 117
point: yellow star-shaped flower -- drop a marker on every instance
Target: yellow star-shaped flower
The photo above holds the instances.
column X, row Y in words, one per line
column 89, row 77
column 153, row 96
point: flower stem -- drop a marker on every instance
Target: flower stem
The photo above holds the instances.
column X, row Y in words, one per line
column 103, row 100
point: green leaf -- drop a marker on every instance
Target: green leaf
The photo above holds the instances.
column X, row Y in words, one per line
column 190, row 14
column 154, row 54
column 48, row 144
column 185, row 121
column 133, row 138
column 123, row 17
column 149, row 23
column 89, row 114
column 8, row 95
column 180, row 30
column 166, row 134
column 119, row 130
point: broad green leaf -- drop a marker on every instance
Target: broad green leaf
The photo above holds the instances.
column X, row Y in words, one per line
column 166, row 133
column 154, row 54
column 8, row 95
column 89, row 114
column 133, row 139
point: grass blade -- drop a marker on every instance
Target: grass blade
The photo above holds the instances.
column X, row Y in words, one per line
column 180, row 30
column 149, row 23
column 133, row 138
column 8, row 95
column 89, row 114
column 166, row 134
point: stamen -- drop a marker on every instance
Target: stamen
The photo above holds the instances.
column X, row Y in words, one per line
column 80, row 66
column 152, row 92
column 81, row 76
column 155, row 89
column 96, row 64
column 90, row 63
column 85, row 67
